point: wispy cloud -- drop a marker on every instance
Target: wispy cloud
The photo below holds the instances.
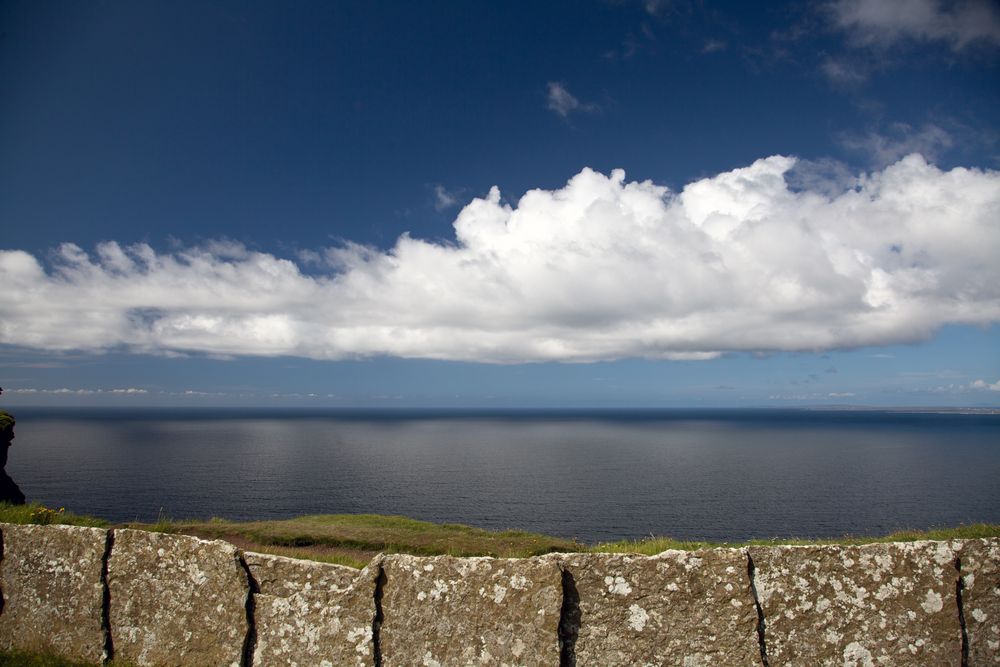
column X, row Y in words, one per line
column 65, row 391
column 655, row 7
column 713, row 46
column 881, row 23
column 32, row 364
column 983, row 384
column 899, row 139
column 443, row 199
column 601, row 268
column 564, row 103
column 843, row 73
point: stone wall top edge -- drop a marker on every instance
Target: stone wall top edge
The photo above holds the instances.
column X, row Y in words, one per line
column 379, row 559
column 258, row 555
column 59, row 527
column 126, row 533
column 904, row 544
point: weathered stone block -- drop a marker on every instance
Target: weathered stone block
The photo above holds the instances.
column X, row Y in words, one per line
column 470, row 611
column 890, row 604
column 676, row 608
column 176, row 600
column 281, row 576
column 53, row 593
column 981, row 598
column 312, row 613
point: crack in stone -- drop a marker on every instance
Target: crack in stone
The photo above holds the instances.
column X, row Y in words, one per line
column 250, row 641
column 109, row 644
column 569, row 620
column 380, row 582
column 761, row 625
column 959, row 586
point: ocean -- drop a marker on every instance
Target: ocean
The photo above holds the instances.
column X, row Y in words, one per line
column 722, row 475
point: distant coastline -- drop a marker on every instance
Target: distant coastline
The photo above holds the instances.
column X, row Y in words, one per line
column 978, row 410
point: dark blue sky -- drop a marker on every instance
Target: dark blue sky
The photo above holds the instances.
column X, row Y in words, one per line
column 289, row 128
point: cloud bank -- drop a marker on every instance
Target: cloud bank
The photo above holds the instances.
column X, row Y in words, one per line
column 602, row 268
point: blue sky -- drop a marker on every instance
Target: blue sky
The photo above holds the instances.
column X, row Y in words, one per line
column 292, row 203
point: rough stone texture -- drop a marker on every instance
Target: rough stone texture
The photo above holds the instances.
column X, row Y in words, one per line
column 281, row 577
column 470, row 611
column 52, row 590
column 676, row 608
column 176, row 600
column 891, row 604
column 981, row 598
column 312, row 613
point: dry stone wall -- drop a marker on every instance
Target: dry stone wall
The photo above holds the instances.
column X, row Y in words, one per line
column 154, row 599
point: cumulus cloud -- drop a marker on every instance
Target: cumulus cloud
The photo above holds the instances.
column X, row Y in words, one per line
column 601, row 268
column 884, row 22
column 563, row 102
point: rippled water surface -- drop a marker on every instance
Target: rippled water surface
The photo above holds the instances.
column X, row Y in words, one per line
column 720, row 475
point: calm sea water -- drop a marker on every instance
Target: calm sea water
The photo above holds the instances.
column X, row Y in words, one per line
column 720, row 475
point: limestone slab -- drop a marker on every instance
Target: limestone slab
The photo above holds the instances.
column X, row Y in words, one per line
column 176, row 600
column 311, row 613
column 872, row 604
column 980, row 567
column 676, row 608
column 443, row 610
column 53, row 593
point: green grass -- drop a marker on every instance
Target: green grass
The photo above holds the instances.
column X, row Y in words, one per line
column 34, row 513
column 6, row 421
column 359, row 536
column 353, row 539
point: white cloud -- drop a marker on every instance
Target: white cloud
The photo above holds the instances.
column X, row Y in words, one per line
column 881, row 23
column 602, row 268
column 983, row 384
column 561, row 101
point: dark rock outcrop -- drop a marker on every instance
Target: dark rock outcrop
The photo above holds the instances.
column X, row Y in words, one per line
column 9, row 490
